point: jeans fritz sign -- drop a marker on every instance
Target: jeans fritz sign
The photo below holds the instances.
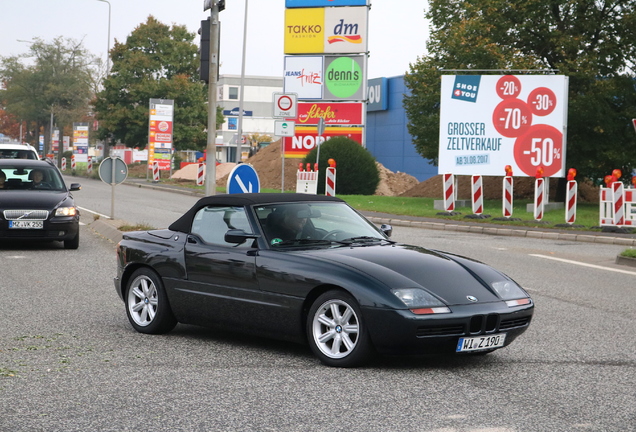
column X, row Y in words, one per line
column 490, row 121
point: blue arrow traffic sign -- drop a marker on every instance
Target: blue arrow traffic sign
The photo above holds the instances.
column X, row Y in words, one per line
column 243, row 179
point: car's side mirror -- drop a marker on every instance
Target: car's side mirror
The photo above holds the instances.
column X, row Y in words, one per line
column 239, row 236
column 75, row 187
column 386, row 229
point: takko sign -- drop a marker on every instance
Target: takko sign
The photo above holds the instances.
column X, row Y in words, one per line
column 326, row 30
column 334, row 113
column 306, row 138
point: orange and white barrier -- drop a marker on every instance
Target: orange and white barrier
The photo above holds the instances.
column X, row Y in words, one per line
column 73, row 162
column 449, row 192
column 476, row 186
column 307, row 181
column 63, row 164
column 155, row 171
column 89, row 165
column 508, row 185
column 200, row 174
column 330, row 179
column 539, row 194
column 570, row 204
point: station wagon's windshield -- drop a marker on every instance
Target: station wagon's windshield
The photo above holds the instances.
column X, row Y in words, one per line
column 30, row 178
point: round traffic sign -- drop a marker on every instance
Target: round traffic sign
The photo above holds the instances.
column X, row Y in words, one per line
column 285, row 103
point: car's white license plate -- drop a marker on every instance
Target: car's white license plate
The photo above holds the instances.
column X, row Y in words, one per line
column 26, row 224
column 481, row 343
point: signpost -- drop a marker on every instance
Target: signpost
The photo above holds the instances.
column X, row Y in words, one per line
column 243, row 179
column 285, row 105
column 284, row 128
column 113, row 171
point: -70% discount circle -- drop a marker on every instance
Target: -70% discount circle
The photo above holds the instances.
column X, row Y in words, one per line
column 542, row 146
column 512, row 118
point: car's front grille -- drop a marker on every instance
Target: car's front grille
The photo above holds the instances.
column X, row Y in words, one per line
column 26, row 214
column 515, row 322
column 449, row 330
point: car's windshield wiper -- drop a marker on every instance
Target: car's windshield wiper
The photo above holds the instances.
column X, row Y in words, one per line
column 295, row 242
column 363, row 239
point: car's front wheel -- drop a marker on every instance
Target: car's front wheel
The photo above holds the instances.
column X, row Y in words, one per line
column 147, row 304
column 72, row 243
column 336, row 332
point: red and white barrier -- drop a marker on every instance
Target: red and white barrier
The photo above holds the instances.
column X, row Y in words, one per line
column 89, row 165
column 63, row 168
column 619, row 204
column 449, row 192
column 615, row 206
column 307, row 181
column 155, row 171
column 507, row 196
column 570, row 201
column 539, row 194
column 200, row 174
column 73, row 162
column 330, row 181
column 477, row 194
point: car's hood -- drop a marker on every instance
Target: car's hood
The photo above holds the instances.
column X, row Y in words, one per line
column 449, row 277
column 31, row 199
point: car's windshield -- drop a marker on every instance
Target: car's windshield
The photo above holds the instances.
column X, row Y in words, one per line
column 313, row 223
column 30, row 178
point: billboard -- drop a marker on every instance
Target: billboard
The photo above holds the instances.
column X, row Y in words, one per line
column 306, row 138
column 490, row 121
column 303, row 75
column 323, row 3
column 334, row 113
column 160, row 129
column 344, row 78
column 80, row 142
column 326, row 30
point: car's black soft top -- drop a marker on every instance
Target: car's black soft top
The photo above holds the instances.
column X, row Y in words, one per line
column 184, row 223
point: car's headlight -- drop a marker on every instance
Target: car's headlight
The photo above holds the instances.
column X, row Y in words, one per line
column 66, row 211
column 420, row 302
column 511, row 293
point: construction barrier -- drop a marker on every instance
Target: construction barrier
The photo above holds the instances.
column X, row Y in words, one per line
column 330, row 181
column 477, row 194
column 449, row 192
column 539, row 194
column 307, row 181
column 200, row 174
column 63, row 164
column 570, row 201
column 507, row 196
column 155, row 171
column 73, row 162
column 89, row 165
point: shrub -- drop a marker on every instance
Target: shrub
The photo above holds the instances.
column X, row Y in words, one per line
column 356, row 170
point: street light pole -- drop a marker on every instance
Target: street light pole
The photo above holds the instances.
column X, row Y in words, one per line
column 108, row 51
column 239, row 142
column 210, row 161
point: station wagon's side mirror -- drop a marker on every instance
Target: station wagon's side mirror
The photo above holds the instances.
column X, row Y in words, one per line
column 239, row 236
column 75, row 187
column 386, row 229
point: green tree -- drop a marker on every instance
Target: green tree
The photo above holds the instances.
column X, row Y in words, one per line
column 592, row 42
column 357, row 171
column 57, row 80
column 157, row 61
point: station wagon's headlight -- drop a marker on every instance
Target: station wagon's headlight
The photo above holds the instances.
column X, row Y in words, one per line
column 511, row 293
column 66, row 211
column 420, row 302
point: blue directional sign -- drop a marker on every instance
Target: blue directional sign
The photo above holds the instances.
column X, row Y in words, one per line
column 243, row 179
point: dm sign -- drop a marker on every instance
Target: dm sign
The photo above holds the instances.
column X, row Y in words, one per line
column 490, row 121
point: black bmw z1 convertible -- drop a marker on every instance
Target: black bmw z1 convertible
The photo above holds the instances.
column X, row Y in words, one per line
column 310, row 268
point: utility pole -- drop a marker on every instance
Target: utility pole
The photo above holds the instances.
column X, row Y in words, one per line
column 210, row 161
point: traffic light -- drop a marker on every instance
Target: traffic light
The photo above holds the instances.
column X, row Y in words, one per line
column 221, row 4
column 204, row 51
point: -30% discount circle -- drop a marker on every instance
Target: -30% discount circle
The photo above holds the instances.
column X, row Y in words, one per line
column 512, row 118
column 542, row 146
column 542, row 101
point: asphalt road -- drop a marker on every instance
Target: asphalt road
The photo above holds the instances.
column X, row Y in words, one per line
column 69, row 360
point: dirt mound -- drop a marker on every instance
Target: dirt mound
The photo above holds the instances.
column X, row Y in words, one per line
column 190, row 172
column 267, row 163
column 493, row 186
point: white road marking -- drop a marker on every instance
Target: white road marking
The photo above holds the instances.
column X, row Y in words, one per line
column 584, row 264
column 90, row 211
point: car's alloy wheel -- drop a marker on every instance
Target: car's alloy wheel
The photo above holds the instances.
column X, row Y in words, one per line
column 146, row 303
column 336, row 332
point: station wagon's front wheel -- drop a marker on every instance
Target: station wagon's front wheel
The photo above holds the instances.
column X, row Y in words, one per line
column 147, row 304
column 336, row 332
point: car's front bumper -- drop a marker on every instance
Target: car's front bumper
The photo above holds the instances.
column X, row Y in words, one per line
column 402, row 331
column 54, row 229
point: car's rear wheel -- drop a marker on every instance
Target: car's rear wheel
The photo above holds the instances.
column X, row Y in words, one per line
column 72, row 243
column 336, row 332
column 147, row 304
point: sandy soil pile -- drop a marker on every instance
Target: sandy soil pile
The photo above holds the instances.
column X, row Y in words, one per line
column 189, row 172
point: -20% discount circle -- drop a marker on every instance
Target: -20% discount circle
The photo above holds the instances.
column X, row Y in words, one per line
column 542, row 146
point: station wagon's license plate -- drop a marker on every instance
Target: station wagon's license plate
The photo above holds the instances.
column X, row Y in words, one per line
column 26, row 224
column 481, row 343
